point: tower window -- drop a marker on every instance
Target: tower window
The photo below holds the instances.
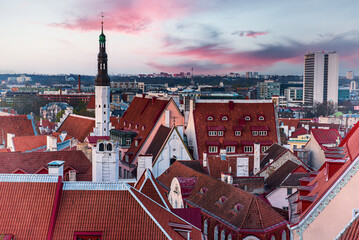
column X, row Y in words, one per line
column 101, row 147
column 104, row 106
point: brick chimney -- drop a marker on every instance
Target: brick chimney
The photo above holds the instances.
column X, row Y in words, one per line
column 257, row 158
column 51, row 143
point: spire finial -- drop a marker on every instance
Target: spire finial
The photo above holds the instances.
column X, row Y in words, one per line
column 102, row 22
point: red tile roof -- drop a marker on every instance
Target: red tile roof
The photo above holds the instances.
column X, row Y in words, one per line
column 19, row 125
column 78, row 126
column 94, row 139
column 145, row 112
column 91, row 103
column 325, row 136
column 33, row 161
column 328, row 174
column 253, row 216
column 28, row 143
column 299, row 131
column 293, row 122
column 235, row 113
column 26, row 208
column 351, row 231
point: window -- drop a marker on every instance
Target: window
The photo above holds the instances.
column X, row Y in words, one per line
column 130, row 125
column 128, row 141
column 255, row 133
column 120, row 172
column 261, row 118
column 216, row 233
column 205, row 227
column 284, row 235
column 272, row 238
column 229, row 237
column 104, row 106
column 224, row 118
column 127, row 158
column 136, row 143
column 285, row 208
column 109, row 147
column 223, row 235
column 209, row 118
column 101, row 147
column 248, row 149
column 220, row 133
column 262, row 133
column 143, row 128
column 231, row 149
column 212, row 133
column 289, row 191
column 294, row 146
column 213, row 149
column 237, row 133
column 264, row 148
column 247, row 118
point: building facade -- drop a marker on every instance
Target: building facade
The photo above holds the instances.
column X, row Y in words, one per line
column 321, row 71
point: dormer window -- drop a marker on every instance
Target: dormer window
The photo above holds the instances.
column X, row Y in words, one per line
column 238, row 207
column 136, row 126
column 124, row 123
column 247, row 118
column 220, row 133
column 212, row 133
column 127, row 158
column 260, row 118
column 237, row 133
column 254, row 133
column 128, row 141
column 262, row 133
column 143, row 127
column 136, row 143
column 222, row 199
column 130, row 125
column 203, row 190
column 224, row 118
column 210, row 118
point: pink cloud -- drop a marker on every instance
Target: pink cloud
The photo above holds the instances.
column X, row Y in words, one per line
column 129, row 16
column 252, row 34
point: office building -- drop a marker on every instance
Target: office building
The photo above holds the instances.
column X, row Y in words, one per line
column 320, row 77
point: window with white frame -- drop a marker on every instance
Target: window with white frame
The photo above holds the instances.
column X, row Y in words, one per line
column 261, row 118
column 224, row 118
column 220, row 133
column 128, row 141
column 212, row 133
column 255, row 133
column 212, row 149
column 209, row 118
column 237, row 133
column 262, row 133
column 247, row 118
column 231, row 149
column 248, row 148
column 264, row 148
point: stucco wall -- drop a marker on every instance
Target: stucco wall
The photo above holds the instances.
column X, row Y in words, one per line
column 278, row 198
column 317, row 157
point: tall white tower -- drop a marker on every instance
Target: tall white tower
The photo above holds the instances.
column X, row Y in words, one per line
column 102, row 91
column 320, row 83
column 105, row 162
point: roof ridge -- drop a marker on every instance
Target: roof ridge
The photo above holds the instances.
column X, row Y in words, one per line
column 246, row 214
column 80, row 116
column 259, row 213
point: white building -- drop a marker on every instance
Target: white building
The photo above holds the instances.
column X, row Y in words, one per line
column 350, row 75
column 320, row 81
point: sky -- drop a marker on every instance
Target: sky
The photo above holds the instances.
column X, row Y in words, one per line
column 150, row 36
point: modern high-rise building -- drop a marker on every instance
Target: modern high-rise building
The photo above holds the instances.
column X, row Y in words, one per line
column 320, row 82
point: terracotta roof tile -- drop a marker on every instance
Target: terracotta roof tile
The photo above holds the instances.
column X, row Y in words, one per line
column 326, row 136
column 20, row 125
column 91, row 103
column 28, row 143
column 144, row 112
column 351, row 231
column 235, row 114
column 77, row 126
column 33, row 161
column 299, row 131
column 254, row 215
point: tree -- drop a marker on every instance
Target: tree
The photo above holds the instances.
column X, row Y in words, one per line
column 324, row 109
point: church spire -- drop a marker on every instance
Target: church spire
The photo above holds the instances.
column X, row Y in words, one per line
column 102, row 78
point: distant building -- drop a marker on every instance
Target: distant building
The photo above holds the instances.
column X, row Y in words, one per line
column 353, row 86
column 350, row 75
column 343, row 94
column 321, row 71
column 268, row 88
column 293, row 94
column 51, row 110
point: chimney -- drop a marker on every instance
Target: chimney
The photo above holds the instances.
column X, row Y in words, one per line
column 51, row 143
column 191, row 106
column 257, row 158
column 205, row 160
column 153, row 100
column 144, row 162
column 9, row 141
column 79, row 83
column 56, row 168
column 60, row 94
column 72, row 175
column 167, row 118
column 230, row 105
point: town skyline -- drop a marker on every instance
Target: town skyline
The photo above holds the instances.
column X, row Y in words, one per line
column 214, row 37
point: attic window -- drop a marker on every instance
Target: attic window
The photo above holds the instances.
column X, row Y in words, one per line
column 203, row 190
column 130, row 125
column 143, row 127
column 247, row 118
column 261, row 118
column 238, row 207
column 222, row 199
column 209, row 118
column 136, row 126
column 124, row 123
column 224, row 118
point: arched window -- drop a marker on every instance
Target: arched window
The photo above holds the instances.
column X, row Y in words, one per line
column 284, row 235
column 209, row 118
column 261, row 118
column 272, row 237
column 205, row 227
column 224, row 118
column 216, row 233
column 109, row 147
column 223, row 235
column 229, row 236
column 172, row 160
column 101, row 147
column 248, row 118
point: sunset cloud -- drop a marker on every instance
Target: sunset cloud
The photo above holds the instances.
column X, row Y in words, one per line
column 252, row 34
